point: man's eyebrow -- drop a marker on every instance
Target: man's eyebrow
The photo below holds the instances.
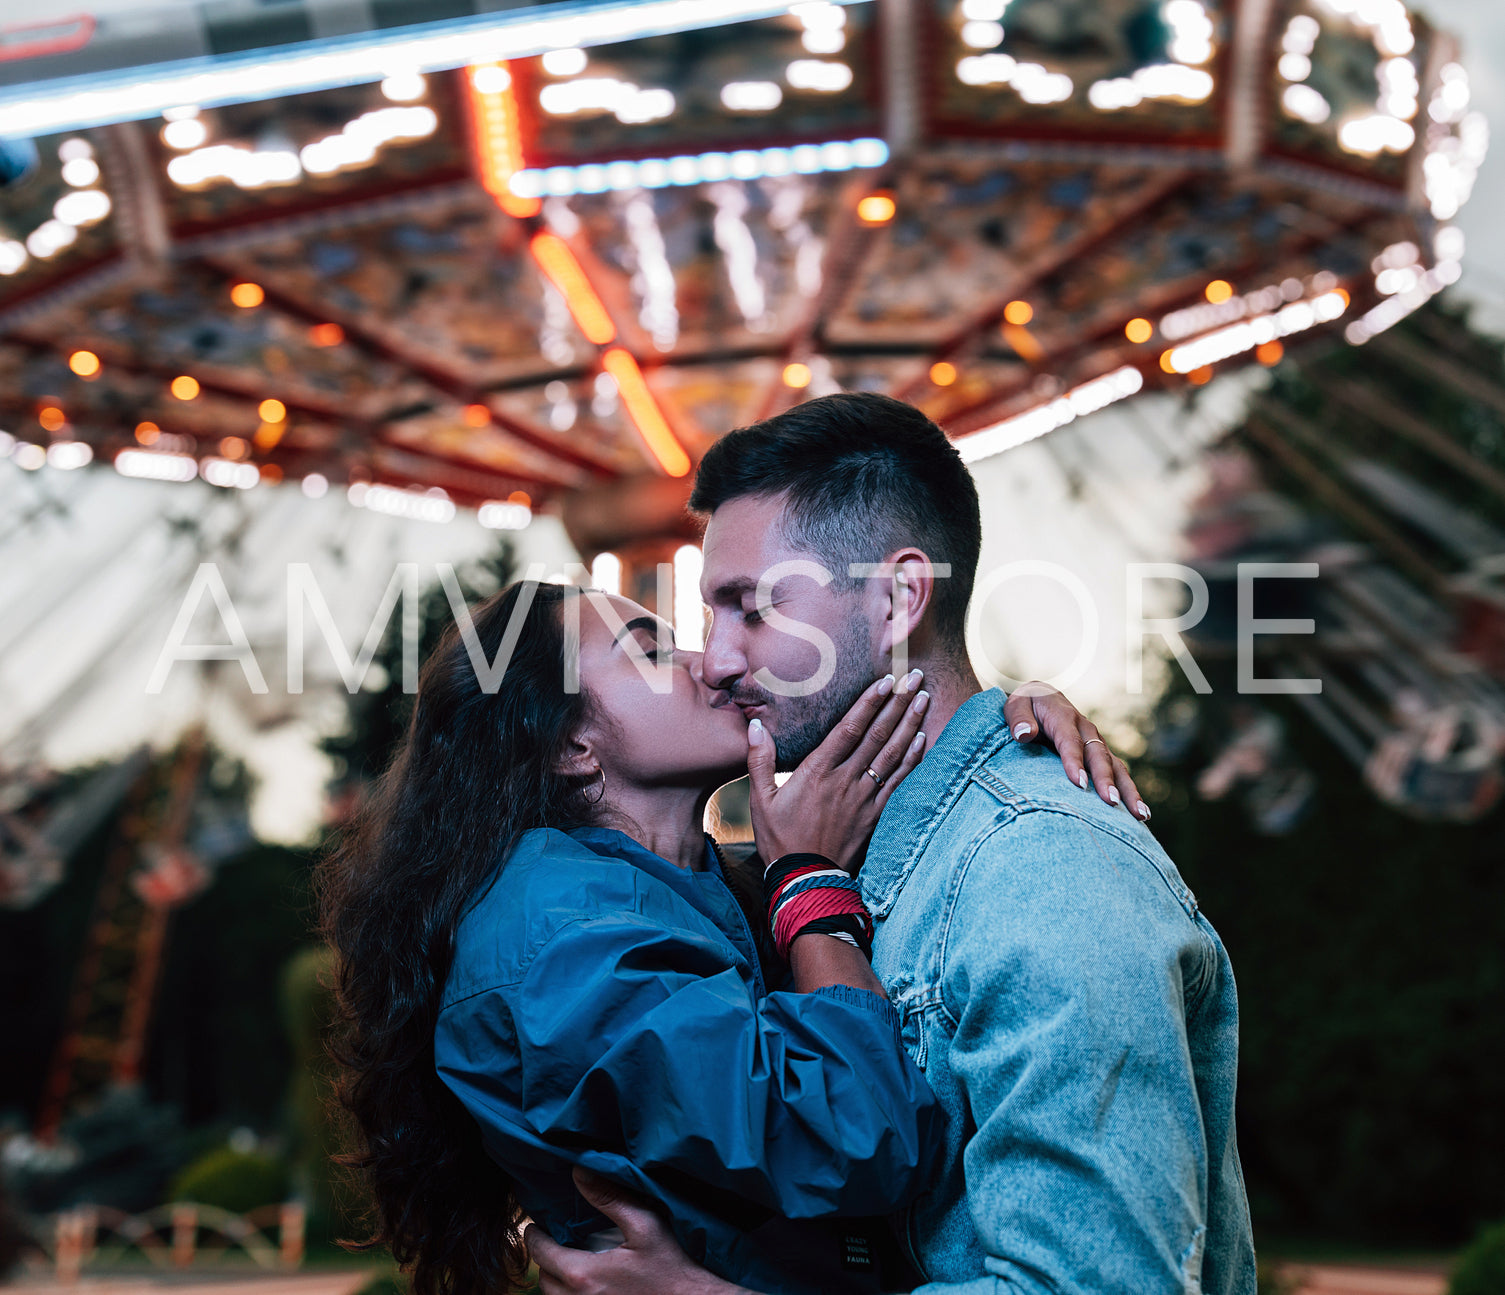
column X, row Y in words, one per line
column 734, row 587
column 652, row 624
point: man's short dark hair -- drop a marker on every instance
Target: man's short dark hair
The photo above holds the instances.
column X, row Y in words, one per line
column 862, row 475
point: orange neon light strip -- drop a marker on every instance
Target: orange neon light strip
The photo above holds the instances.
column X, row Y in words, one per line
column 498, row 136
column 645, row 412
column 557, row 261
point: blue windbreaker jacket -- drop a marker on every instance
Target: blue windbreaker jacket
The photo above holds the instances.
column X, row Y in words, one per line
column 608, row 1009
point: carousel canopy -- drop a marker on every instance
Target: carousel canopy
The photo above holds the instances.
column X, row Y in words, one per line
column 498, row 258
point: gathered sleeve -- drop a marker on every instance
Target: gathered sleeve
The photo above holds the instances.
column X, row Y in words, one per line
column 643, row 1044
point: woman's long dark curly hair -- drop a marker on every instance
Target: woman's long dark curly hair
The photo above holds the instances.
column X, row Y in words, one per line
column 474, row 771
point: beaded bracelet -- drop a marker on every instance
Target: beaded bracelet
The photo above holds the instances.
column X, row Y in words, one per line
column 808, row 894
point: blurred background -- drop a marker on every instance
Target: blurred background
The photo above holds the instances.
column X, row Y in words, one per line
column 305, row 302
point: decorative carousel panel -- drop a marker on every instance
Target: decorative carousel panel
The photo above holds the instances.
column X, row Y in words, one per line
column 188, row 322
column 235, row 165
column 719, row 395
column 1347, row 92
column 585, row 409
column 809, row 74
column 717, row 266
column 1165, row 259
column 968, row 233
column 60, row 219
column 1058, row 69
column 450, row 283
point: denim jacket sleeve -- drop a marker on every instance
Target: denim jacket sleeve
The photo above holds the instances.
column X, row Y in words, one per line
column 1069, row 984
column 644, row 1041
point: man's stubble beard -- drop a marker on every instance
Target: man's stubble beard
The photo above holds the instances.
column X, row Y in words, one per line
column 810, row 719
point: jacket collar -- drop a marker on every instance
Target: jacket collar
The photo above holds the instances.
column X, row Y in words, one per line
column 915, row 811
column 609, row 841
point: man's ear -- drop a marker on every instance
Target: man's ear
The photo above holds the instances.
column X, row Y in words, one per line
column 910, row 593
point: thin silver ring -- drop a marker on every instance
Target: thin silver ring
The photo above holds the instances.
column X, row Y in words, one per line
column 1091, row 740
column 873, row 776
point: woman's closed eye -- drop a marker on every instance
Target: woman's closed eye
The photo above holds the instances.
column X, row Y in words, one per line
column 657, row 651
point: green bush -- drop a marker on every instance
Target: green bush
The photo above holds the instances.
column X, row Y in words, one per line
column 1481, row 1270
column 319, row 1128
column 238, row 1181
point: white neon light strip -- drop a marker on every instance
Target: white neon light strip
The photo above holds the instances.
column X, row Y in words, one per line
column 1235, row 340
column 1036, row 422
column 1394, row 309
column 660, row 172
column 156, row 467
column 431, row 505
column 497, row 515
column 265, row 74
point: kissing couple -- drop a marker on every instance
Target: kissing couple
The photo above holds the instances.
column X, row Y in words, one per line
column 956, row 1025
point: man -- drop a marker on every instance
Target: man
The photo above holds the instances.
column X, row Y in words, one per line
column 1070, row 1006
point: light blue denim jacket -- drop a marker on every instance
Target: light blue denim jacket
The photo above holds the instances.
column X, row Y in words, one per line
column 1075, row 1015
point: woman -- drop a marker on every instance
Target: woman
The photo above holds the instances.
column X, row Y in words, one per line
column 541, row 964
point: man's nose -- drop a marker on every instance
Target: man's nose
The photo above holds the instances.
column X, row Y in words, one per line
column 723, row 661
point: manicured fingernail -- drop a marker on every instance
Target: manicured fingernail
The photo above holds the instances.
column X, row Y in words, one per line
column 1081, row 780
column 910, row 681
column 885, row 685
column 1143, row 811
column 921, row 701
column 1022, row 731
column 1114, row 796
column 919, row 741
column 755, row 732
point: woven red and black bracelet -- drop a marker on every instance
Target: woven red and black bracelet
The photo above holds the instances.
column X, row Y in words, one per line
column 808, row 894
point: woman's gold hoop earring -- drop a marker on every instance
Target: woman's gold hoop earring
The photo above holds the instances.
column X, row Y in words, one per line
column 596, row 800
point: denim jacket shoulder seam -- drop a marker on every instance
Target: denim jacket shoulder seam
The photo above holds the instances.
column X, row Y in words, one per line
column 1023, row 805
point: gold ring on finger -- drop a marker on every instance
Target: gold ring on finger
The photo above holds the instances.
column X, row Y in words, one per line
column 1091, row 740
column 873, row 776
